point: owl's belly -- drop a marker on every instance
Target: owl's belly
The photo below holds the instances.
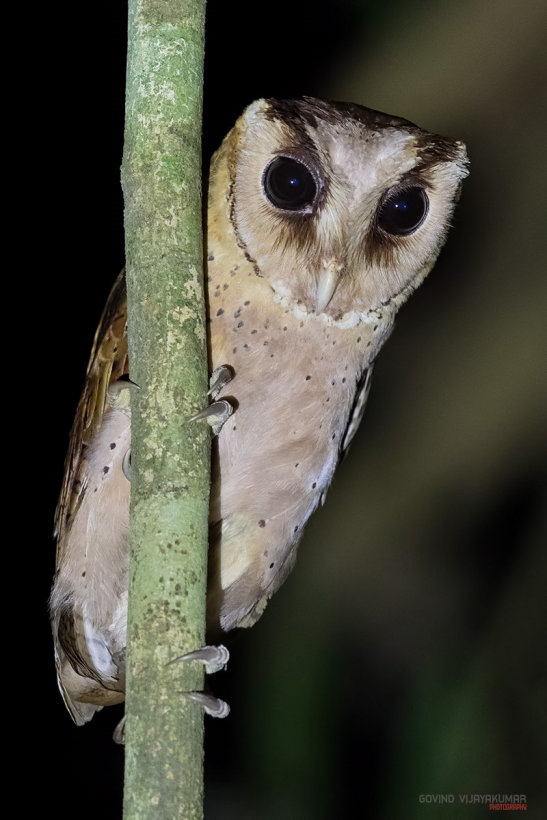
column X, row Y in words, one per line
column 275, row 459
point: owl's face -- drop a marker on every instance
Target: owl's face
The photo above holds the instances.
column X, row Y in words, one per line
column 342, row 209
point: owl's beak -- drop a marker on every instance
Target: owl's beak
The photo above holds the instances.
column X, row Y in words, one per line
column 327, row 282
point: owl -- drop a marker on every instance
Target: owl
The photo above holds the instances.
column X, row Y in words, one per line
column 322, row 219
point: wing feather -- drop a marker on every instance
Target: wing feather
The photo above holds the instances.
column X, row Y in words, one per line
column 358, row 409
column 108, row 362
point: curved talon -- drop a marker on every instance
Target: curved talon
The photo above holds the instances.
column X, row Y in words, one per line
column 214, row 658
column 212, row 706
column 214, row 409
column 126, row 465
column 118, row 736
column 216, row 414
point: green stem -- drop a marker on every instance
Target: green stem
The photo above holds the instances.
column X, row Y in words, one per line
column 161, row 178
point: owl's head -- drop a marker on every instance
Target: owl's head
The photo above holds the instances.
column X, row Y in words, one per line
column 342, row 209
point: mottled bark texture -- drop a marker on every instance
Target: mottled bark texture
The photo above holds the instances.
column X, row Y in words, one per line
column 161, row 178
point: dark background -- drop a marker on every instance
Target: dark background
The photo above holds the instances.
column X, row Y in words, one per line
column 406, row 653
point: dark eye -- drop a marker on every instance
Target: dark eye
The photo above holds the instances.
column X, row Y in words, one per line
column 288, row 184
column 403, row 211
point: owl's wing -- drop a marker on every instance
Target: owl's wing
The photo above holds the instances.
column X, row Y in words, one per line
column 108, row 362
column 358, row 409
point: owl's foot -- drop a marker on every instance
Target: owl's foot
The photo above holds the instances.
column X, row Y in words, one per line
column 119, row 393
column 118, row 736
column 220, row 377
column 218, row 412
column 213, row 658
column 215, row 707
column 211, row 706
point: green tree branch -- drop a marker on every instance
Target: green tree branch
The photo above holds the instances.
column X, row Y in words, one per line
column 161, row 179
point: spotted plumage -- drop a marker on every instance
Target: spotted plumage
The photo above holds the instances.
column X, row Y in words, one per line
column 322, row 219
